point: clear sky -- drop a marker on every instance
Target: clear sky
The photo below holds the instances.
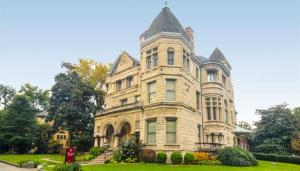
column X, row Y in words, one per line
column 260, row 38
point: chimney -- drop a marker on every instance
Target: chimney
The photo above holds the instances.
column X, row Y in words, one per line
column 189, row 31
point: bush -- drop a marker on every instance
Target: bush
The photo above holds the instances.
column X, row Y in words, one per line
column 68, row 167
column 278, row 158
column 97, row 151
column 201, row 156
column 271, row 149
column 176, row 158
column 209, row 162
column 149, row 155
column 130, row 160
column 233, row 156
column 189, row 158
column 130, row 149
column 117, row 156
column 161, row 157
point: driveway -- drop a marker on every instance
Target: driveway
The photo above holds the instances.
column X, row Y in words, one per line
column 6, row 167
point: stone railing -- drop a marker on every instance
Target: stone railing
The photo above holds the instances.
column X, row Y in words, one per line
column 209, row 147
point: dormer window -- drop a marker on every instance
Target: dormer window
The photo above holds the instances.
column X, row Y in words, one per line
column 211, row 76
column 170, row 56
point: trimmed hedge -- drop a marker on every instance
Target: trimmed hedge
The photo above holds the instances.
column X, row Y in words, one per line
column 234, row 156
column 161, row 157
column 176, row 158
column 189, row 158
column 278, row 158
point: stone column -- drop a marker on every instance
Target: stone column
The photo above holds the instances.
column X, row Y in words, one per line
column 101, row 141
column 95, row 142
column 116, row 140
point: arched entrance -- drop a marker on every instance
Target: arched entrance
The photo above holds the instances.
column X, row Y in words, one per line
column 109, row 136
column 125, row 133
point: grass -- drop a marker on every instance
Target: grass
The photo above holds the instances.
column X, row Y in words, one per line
column 49, row 159
column 263, row 166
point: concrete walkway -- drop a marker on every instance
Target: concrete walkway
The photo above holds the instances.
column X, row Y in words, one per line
column 6, row 167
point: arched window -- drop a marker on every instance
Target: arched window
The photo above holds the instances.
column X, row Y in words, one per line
column 170, row 56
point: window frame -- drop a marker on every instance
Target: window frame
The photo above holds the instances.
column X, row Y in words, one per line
column 170, row 56
column 151, row 93
column 151, row 133
column 119, row 85
column 168, row 132
column 170, row 91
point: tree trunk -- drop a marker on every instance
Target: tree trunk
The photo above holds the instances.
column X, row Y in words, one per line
column 70, row 138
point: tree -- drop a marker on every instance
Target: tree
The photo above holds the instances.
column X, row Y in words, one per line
column 275, row 130
column 245, row 125
column 94, row 74
column 42, row 137
column 38, row 97
column 6, row 95
column 18, row 124
column 296, row 112
column 296, row 138
column 71, row 107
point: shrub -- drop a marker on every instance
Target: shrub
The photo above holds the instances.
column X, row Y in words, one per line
column 278, row 158
column 176, row 158
column 130, row 149
column 209, row 162
column 97, row 151
column 117, row 156
column 130, row 160
column 149, row 155
column 201, row 156
column 161, row 157
column 233, row 156
column 189, row 158
column 67, row 167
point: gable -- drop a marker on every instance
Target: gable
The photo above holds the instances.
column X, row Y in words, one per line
column 123, row 62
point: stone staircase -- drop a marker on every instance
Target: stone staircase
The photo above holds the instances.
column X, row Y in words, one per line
column 102, row 158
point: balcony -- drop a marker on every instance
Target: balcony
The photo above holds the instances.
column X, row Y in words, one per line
column 129, row 106
column 209, row 147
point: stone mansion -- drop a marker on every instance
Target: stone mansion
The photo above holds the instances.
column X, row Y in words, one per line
column 171, row 99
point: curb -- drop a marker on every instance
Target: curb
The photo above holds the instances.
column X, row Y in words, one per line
column 9, row 163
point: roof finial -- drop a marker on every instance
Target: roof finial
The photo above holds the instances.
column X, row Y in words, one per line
column 166, row 3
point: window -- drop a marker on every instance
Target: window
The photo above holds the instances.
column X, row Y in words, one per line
column 170, row 57
column 188, row 64
column 197, row 73
column 170, row 90
column 151, row 91
column 155, row 59
column 137, row 98
column 107, row 86
column 208, row 113
column 215, row 113
column 129, row 81
column 226, row 111
column 184, row 62
column 197, row 100
column 224, row 80
column 212, row 76
column 118, row 85
column 123, row 101
column 171, row 131
column 151, row 132
column 148, row 62
column 57, row 137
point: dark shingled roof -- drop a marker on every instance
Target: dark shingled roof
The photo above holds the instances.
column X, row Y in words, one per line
column 165, row 22
column 217, row 55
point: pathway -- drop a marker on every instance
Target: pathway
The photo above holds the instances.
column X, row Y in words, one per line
column 6, row 167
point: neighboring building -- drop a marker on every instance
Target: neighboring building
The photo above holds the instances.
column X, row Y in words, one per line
column 60, row 136
column 172, row 99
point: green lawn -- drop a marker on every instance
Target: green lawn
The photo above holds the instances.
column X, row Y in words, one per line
column 263, row 166
column 43, row 158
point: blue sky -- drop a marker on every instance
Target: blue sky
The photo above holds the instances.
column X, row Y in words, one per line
column 261, row 40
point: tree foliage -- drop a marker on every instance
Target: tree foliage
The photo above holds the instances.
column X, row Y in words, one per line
column 38, row 97
column 275, row 130
column 245, row 125
column 71, row 107
column 18, row 123
column 6, row 95
column 94, row 74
